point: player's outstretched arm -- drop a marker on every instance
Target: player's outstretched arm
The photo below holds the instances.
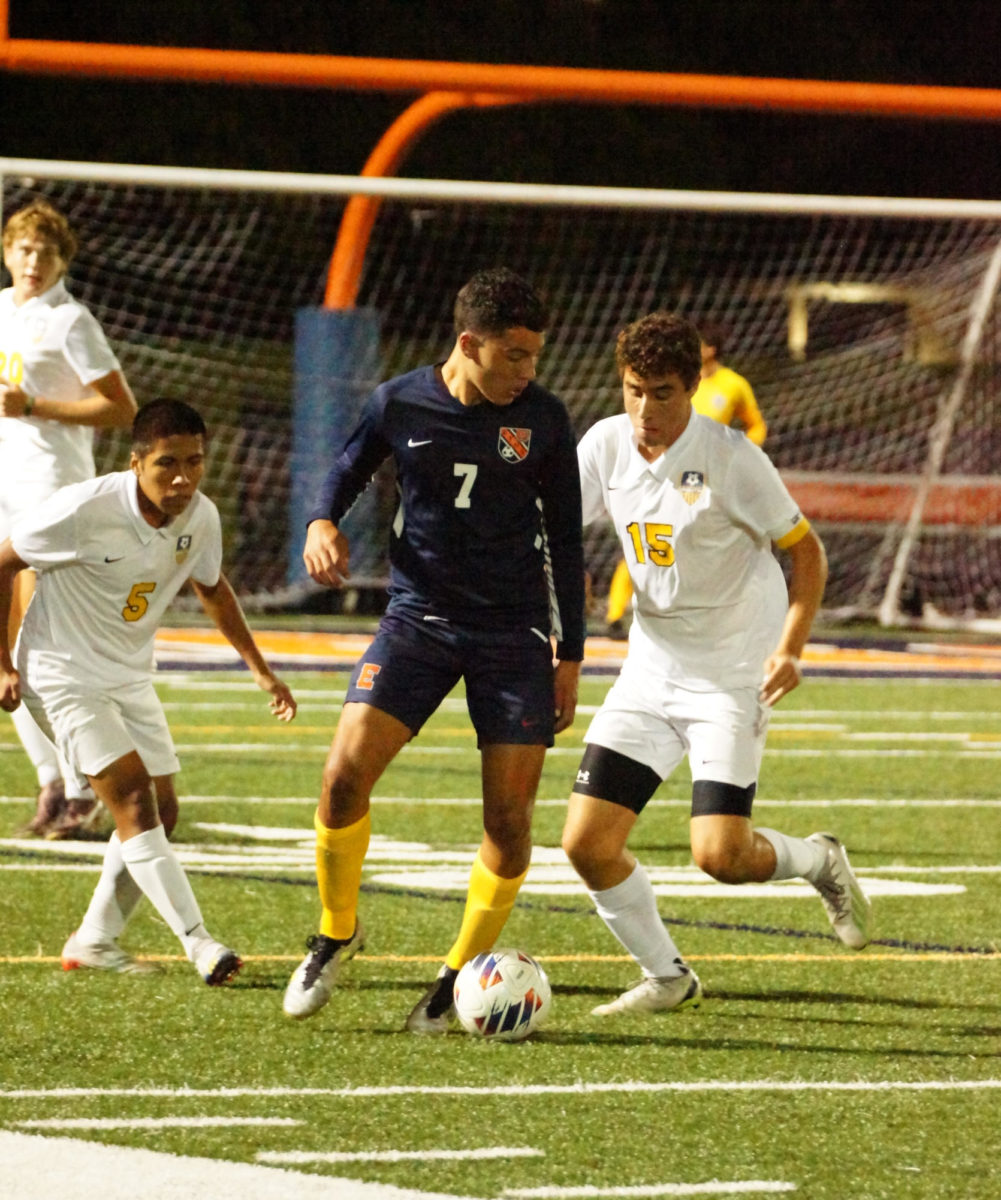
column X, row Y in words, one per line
column 10, row 681
column 327, row 554
column 221, row 604
column 565, row 686
column 806, row 589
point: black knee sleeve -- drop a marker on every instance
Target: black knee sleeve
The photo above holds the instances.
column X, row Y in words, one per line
column 609, row 775
column 710, row 799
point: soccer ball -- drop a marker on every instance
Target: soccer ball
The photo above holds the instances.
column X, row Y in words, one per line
column 503, row 995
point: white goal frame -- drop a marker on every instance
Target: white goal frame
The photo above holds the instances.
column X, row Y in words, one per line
column 887, row 605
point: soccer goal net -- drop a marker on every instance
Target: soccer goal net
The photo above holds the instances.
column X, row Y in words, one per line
column 869, row 330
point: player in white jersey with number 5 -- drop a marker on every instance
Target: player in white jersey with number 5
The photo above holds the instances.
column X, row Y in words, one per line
column 59, row 380
column 715, row 642
column 111, row 554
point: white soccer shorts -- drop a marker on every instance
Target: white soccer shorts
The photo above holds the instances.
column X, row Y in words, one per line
column 95, row 729
column 649, row 720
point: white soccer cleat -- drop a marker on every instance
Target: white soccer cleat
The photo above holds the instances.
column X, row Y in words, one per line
column 313, row 980
column 104, row 956
column 216, row 963
column 653, row 994
column 848, row 907
column 435, row 1010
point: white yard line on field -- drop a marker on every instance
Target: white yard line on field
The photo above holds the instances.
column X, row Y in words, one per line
column 151, row 1122
column 576, row 1088
column 712, row 1187
column 33, row 1167
column 414, row 864
column 301, row 1157
column 959, row 745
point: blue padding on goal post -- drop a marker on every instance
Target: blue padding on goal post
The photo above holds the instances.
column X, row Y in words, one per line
column 336, row 365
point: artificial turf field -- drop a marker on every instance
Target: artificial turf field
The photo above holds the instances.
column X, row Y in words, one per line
column 809, row 1070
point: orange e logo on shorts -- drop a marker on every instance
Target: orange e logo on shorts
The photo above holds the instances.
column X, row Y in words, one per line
column 366, row 677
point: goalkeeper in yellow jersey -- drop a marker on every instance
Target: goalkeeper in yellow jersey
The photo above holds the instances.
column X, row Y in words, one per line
column 726, row 397
column 723, row 394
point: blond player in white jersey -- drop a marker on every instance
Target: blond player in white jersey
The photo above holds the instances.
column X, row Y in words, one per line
column 59, row 381
column 111, row 553
column 715, row 642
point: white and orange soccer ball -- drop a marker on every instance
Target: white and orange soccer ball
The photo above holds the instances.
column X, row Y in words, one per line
column 503, row 995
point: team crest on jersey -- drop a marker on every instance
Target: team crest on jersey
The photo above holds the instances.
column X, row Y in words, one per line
column 182, row 547
column 692, row 483
column 512, row 444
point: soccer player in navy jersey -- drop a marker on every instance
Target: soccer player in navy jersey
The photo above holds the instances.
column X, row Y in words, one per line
column 486, row 572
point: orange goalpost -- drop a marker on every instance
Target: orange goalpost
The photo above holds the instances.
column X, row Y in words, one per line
column 446, row 86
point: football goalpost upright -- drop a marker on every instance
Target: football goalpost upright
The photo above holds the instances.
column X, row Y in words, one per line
column 869, row 329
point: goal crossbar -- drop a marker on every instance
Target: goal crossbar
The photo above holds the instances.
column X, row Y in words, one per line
column 543, row 195
column 851, row 316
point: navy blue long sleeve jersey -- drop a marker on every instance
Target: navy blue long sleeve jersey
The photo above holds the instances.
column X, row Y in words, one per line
column 488, row 530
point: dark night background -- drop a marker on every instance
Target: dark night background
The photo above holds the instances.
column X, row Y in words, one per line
column 909, row 41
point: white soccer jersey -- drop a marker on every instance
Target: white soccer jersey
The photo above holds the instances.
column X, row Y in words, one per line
column 696, row 528
column 50, row 346
column 105, row 579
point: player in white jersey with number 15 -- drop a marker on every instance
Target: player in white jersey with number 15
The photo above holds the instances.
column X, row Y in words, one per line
column 111, row 554
column 715, row 642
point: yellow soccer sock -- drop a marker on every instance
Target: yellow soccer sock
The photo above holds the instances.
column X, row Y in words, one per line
column 620, row 592
column 339, row 857
column 488, row 905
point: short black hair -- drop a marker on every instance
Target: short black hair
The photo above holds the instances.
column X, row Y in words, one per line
column 713, row 334
column 496, row 300
column 660, row 344
column 164, row 418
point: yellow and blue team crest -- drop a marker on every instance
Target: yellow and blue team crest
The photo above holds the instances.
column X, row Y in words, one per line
column 512, row 444
column 691, row 486
column 182, row 547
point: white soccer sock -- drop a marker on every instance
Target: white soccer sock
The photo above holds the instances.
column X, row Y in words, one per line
column 795, row 858
column 155, row 868
column 630, row 911
column 114, row 899
column 37, row 746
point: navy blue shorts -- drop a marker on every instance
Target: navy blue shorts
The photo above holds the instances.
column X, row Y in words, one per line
column 413, row 664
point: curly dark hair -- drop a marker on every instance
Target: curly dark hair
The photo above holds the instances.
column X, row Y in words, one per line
column 496, row 300
column 660, row 344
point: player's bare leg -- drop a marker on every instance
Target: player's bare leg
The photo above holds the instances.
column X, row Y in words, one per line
column 731, row 850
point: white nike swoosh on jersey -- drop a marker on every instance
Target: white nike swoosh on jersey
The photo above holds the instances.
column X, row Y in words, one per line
column 411, row 442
